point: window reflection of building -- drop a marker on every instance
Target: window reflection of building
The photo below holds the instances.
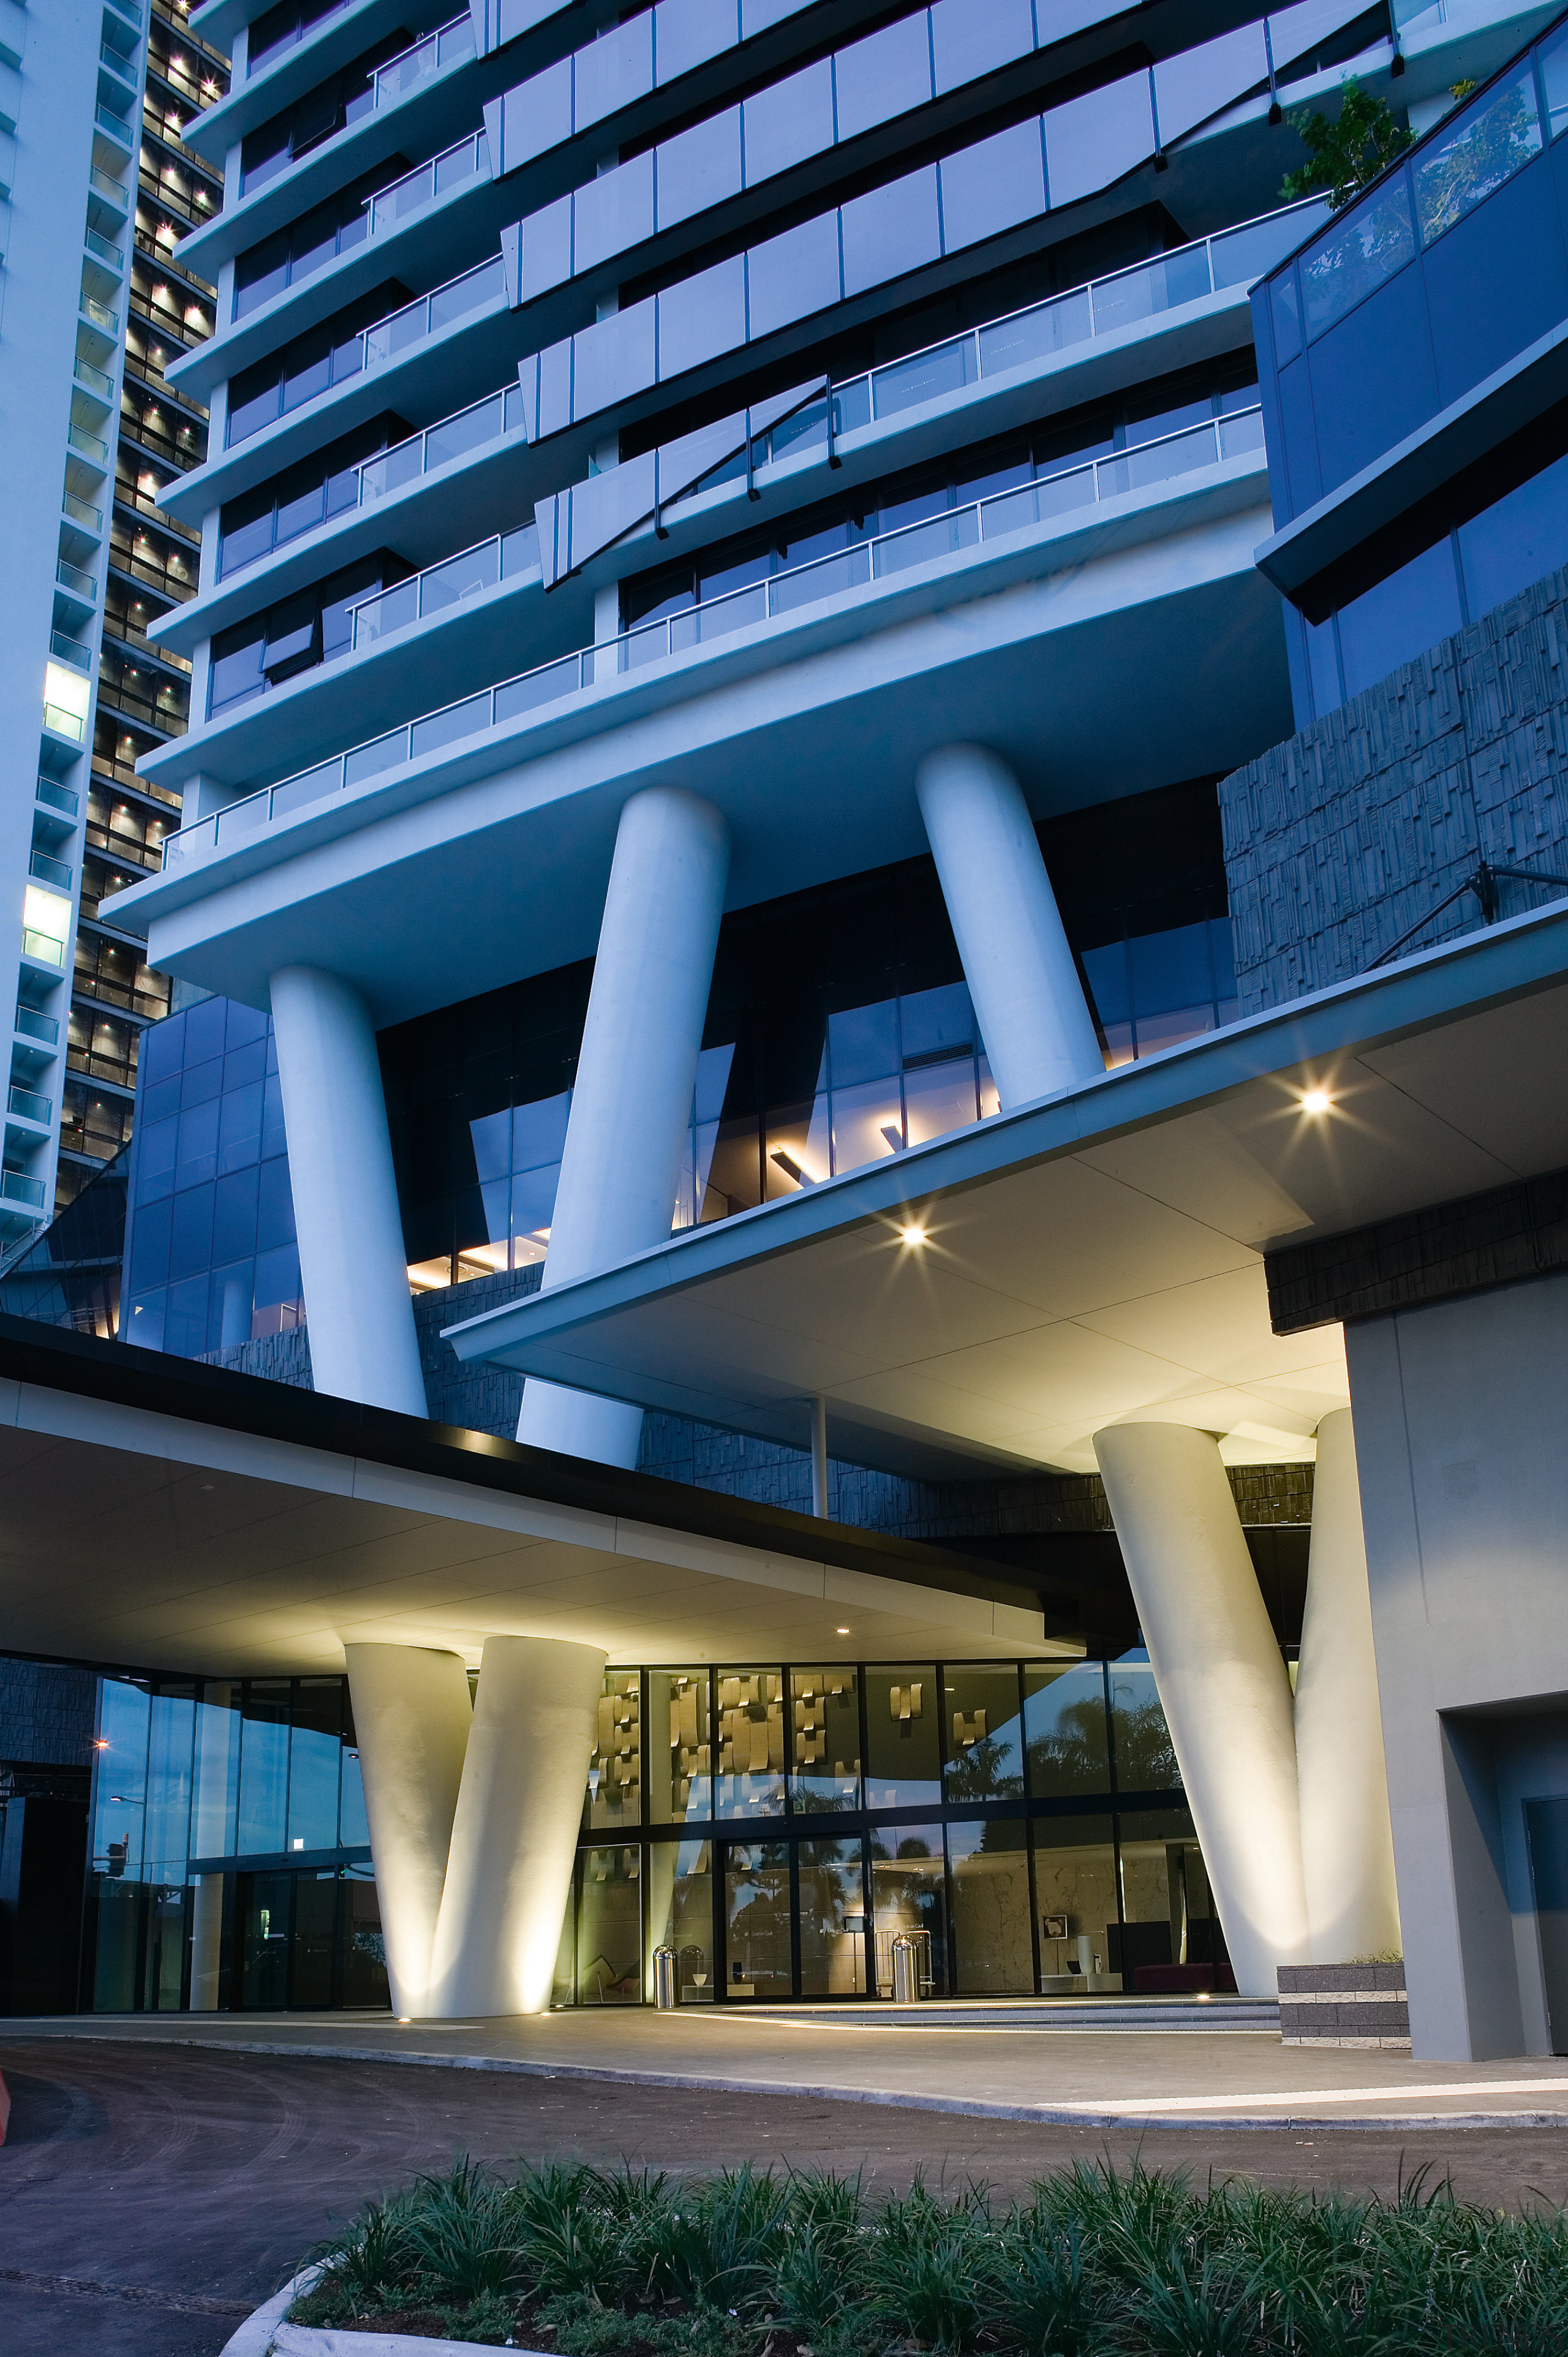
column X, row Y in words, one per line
column 908, row 1897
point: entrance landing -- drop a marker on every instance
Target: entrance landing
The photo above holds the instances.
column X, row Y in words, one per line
column 978, row 2060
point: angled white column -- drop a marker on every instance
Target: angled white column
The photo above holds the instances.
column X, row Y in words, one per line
column 1347, row 1838
column 1221, row 1679
column 1037, row 1027
column 515, row 1834
column 352, row 1258
column 411, row 1720
column 631, row 1101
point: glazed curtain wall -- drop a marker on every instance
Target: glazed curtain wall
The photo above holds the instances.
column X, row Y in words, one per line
column 779, row 1827
column 229, row 1838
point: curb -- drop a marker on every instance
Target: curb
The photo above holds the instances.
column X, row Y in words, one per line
column 1081, row 2116
column 256, row 2337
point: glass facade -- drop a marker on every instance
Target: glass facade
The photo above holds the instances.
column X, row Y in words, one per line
column 839, row 1032
column 1446, row 273
column 776, row 1825
column 1022, row 1820
column 230, row 1860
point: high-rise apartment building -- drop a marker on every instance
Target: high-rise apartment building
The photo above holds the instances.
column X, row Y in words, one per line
column 873, row 766
column 85, row 338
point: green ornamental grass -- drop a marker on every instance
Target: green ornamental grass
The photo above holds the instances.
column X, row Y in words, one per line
column 1100, row 2262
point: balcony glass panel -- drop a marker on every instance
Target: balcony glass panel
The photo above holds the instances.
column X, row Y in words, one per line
column 1359, row 256
column 1489, row 145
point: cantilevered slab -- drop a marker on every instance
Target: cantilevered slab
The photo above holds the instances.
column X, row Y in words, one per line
column 1097, row 1256
column 168, row 1516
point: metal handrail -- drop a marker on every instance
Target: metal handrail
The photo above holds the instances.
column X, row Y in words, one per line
column 451, row 583
column 868, row 561
column 448, row 42
column 421, row 187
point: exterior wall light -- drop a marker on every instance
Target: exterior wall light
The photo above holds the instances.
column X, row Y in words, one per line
column 1316, row 1101
column 912, row 1236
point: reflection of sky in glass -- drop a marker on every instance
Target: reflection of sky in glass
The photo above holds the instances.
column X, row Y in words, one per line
column 122, row 1714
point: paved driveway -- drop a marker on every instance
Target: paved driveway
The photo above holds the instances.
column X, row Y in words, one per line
column 151, row 2194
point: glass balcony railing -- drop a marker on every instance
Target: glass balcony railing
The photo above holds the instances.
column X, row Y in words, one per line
column 387, row 340
column 878, row 559
column 28, row 1105
column 70, row 651
column 115, row 125
column 95, row 380
column 447, row 46
column 83, row 512
column 104, row 250
column 33, row 1023
column 454, row 438
column 42, row 946
column 63, row 722
column 441, row 586
column 107, row 185
column 391, row 206
column 79, row 583
column 56, row 797
column 91, row 446
column 100, row 315
column 1101, row 307
column 16, row 1187
column 50, row 871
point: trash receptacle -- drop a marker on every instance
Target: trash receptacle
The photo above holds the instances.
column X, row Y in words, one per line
column 663, row 1978
column 906, row 1970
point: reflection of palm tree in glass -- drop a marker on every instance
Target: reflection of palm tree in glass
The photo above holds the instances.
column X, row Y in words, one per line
column 1072, row 1758
column 987, row 1771
column 1145, row 1761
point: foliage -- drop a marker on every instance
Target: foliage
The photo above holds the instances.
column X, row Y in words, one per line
column 1100, row 2262
column 1345, row 152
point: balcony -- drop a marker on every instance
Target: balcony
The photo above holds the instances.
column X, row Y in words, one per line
column 26, row 1105
column 504, row 557
column 65, row 800
column 16, row 1187
column 33, row 1023
column 56, row 872
column 389, row 340
column 1057, row 500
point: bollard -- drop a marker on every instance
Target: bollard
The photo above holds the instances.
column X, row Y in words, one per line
column 906, row 1970
column 663, row 1978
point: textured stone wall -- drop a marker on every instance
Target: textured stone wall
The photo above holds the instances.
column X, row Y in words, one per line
column 1339, row 841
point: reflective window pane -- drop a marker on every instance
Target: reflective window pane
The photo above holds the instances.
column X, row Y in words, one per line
column 1065, row 1729
column 751, row 1743
column 610, row 1929
column 1075, row 1892
column 757, row 1919
column 1144, row 1757
column 909, row 1900
column 680, row 1914
column 903, row 1710
column 825, row 1717
column 834, row 1921
column 315, row 1756
column 615, row 1771
column 1168, row 1913
column 680, row 1753
column 171, row 1730
column 264, row 1766
column 984, row 1733
column 217, row 1763
column 993, row 1947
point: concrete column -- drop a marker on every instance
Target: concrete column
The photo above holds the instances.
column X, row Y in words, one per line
column 1221, row 1679
column 515, row 1834
column 1037, row 1031
column 351, row 1257
column 1346, row 1838
column 411, row 1718
column 633, row 1101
